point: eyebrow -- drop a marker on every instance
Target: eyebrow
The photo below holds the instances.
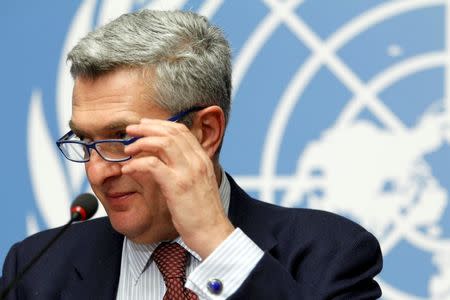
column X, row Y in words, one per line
column 114, row 126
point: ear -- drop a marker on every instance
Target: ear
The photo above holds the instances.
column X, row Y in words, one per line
column 208, row 126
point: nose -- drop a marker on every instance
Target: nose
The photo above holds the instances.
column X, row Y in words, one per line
column 99, row 170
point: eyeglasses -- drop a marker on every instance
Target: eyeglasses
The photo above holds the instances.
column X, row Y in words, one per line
column 112, row 150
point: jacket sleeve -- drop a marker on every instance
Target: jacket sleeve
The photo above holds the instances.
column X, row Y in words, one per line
column 345, row 272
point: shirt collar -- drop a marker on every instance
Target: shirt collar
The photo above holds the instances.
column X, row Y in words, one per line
column 138, row 255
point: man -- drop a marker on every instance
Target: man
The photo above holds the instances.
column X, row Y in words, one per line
column 151, row 101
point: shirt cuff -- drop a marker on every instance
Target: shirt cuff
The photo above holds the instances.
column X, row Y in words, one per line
column 230, row 263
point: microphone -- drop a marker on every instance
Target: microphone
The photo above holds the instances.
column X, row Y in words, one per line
column 83, row 208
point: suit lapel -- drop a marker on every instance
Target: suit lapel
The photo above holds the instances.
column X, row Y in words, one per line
column 249, row 215
column 97, row 267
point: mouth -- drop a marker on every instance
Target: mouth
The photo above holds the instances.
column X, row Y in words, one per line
column 119, row 200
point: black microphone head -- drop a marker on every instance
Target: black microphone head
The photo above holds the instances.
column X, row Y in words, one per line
column 84, row 207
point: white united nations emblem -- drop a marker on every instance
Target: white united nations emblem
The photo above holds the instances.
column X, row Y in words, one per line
column 352, row 116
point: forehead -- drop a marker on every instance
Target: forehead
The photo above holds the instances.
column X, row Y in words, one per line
column 120, row 96
column 117, row 86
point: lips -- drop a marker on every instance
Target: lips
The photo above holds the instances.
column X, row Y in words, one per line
column 119, row 200
column 118, row 194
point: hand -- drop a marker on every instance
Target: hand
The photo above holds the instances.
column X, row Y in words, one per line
column 185, row 173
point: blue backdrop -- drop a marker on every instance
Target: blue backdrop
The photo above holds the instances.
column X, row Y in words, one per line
column 338, row 105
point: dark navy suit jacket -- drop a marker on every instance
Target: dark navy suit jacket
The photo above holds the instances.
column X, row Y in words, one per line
column 308, row 254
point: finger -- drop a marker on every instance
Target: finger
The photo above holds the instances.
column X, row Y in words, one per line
column 147, row 164
column 165, row 148
column 159, row 128
column 195, row 145
column 174, row 136
column 180, row 149
column 154, row 127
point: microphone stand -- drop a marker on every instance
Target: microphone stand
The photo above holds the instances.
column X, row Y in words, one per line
column 76, row 216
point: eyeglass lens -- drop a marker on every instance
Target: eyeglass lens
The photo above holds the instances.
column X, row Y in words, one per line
column 111, row 150
column 108, row 150
column 74, row 151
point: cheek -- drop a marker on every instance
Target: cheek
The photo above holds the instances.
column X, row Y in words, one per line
column 89, row 172
column 150, row 190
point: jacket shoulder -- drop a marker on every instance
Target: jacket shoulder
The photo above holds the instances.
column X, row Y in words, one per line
column 307, row 222
column 76, row 235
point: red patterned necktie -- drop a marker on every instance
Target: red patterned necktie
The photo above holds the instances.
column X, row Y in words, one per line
column 171, row 260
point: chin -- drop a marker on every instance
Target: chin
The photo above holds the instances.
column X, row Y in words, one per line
column 127, row 223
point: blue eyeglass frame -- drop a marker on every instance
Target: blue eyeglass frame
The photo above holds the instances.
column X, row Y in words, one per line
column 91, row 145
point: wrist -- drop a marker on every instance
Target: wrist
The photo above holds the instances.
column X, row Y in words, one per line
column 207, row 240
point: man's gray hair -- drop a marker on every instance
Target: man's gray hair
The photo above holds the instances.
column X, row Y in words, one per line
column 190, row 58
